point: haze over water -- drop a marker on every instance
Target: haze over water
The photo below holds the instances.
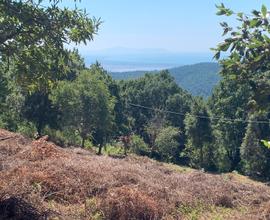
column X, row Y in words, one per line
column 124, row 59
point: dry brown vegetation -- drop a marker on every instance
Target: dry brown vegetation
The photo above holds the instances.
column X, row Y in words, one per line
column 39, row 180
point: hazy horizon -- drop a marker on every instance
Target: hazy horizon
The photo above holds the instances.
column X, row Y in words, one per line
column 177, row 26
column 120, row 59
column 153, row 35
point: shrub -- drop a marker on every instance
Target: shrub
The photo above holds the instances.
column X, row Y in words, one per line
column 27, row 129
column 113, row 149
column 166, row 142
column 138, row 146
column 67, row 137
column 127, row 203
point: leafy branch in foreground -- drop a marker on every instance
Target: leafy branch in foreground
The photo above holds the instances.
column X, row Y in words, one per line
column 248, row 49
column 24, row 23
column 248, row 43
column 33, row 39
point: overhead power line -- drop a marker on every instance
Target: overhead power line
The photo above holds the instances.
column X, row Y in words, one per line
column 199, row 116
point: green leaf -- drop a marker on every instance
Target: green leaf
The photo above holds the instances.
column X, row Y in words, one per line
column 255, row 44
column 226, row 30
column 229, row 12
column 221, row 12
column 217, row 56
column 264, row 10
column 240, row 15
column 266, row 143
column 266, row 38
column 254, row 23
column 232, row 77
column 224, row 46
column 256, row 13
column 224, row 24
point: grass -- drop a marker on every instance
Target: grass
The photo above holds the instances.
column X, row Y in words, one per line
column 113, row 150
column 191, row 212
column 200, row 211
column 38, row 178
column 176, row 168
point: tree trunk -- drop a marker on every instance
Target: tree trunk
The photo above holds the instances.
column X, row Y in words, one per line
column 83, row 142
column 201, row 156
column 99, row 149
column 125, row 149
column 39, row 128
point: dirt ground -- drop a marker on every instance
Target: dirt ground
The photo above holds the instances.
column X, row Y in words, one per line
column 39, row 180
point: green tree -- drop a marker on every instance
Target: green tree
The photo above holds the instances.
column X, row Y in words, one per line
column 86, row 105
column 33, row 35
column 121, row 123
column 3, row 86
column 11, row 99
column 42, row 23
column 74, row 66
column 199, row 147
column 256, row 157
column 32, row 38
column 248, row 46
column 229, row 101
column 153, row 91
column 167, row 143
column 247, row 64
column 180, row 103
column 38, row 108
column 10, row 115
column 153, row 127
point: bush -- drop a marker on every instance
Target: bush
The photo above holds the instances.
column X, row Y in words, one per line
column 138, row 146
column 128, row 203
column 166, row 143
column 27, row 129
column 67, row 137
column 113, row 149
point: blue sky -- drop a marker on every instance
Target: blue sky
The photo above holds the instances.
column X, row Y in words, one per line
column 174, row 25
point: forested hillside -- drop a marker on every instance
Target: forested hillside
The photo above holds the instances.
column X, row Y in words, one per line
column 105, row 135
column 198, row 79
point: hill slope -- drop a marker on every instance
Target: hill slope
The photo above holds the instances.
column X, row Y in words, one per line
column 198, row 79
column 40, row 180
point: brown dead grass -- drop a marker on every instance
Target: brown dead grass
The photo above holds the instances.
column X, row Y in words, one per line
column 59, row 182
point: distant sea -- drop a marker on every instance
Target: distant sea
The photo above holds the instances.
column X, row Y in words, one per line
column 124, row 61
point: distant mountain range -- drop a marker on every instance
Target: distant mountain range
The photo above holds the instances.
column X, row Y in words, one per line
column 199, row 79
column 127, row 59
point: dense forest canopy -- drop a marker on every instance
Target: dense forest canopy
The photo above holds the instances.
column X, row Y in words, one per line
column 46, row 89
